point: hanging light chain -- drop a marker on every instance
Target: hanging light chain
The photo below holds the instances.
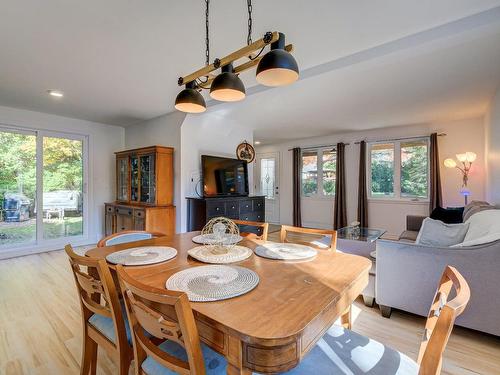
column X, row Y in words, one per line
column 207, row 39
column 249, row 37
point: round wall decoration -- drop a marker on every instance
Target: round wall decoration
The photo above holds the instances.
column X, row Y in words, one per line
column 245, row 151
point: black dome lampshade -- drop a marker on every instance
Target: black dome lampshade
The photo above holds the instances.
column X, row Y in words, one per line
column 227, row 86
column 277, row 67
column 190, row 100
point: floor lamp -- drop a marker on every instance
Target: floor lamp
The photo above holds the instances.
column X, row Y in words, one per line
column 465, row 161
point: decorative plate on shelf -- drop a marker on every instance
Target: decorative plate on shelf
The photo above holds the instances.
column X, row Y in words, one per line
column 213, row 283
column 220, row 256
column 245, row 151
column 285, row 251
column 140, row 256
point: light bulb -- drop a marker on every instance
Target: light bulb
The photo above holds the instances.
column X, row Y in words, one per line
column 470, row 156
column 461, row 157
column 450, row 163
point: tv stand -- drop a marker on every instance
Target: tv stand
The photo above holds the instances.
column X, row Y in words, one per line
column 200, row 210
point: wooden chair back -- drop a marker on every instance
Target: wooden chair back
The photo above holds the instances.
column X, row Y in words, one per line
column 255, row 224
column 144, row 308
column 98, row 295
column 128, row 236
column 441, row 319
column 285, row 229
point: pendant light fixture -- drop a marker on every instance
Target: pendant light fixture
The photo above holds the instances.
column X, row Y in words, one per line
column 190, row 100
column 227, row 86
column 276, row 68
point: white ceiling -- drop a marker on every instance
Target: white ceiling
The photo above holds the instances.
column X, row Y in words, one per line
column 118, row 61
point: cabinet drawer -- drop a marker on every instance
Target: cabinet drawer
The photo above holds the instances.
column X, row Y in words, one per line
column 246, row 206
column 139, row 213
column 251, row 216
column 124, row 211
column 232, row 209
column 258, row 205
column 109, row 209
column 216, row 209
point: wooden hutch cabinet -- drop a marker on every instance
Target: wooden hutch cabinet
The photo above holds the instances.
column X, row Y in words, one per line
column 144, row 192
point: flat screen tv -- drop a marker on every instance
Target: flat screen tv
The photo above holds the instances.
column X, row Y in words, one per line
column 224, row 177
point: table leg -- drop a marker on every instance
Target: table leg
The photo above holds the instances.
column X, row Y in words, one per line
column 235, row 358
column 345, row 319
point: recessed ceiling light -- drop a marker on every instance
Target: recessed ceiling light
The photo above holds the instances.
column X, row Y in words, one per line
column 257, row 142
column 56, row 93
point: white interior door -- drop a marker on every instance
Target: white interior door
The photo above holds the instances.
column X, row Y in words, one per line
column 267, row 183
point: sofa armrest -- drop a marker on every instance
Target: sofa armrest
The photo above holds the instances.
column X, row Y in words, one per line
column 407, row 276
column 414, row 222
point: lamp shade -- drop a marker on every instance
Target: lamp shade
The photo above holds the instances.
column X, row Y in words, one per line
column 227, row 86
column 450, row 163
column 461, row 157
column 277, row 68
column 470, row 156
column 191, row 101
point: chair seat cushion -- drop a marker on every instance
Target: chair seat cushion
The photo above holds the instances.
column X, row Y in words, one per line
column 105, row 325
column 215, row 363
column 342, row 351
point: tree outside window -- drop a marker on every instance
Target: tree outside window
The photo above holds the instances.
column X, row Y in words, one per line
column 318, row 172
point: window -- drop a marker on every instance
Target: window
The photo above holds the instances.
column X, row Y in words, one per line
column 399, row 169
column 318, row 173
column 267, row 175
column 42, row 195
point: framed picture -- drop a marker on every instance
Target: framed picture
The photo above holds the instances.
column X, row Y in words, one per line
column 245, row 151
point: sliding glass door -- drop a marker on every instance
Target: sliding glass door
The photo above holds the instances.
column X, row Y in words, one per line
column 42, row 187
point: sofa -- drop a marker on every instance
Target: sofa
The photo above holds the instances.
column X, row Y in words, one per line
column 407, row 275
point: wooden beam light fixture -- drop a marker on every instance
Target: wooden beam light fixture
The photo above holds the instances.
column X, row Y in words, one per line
column 277, row 67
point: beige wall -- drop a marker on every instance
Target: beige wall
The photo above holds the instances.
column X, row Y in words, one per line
column 464, row 135
column 492, row 136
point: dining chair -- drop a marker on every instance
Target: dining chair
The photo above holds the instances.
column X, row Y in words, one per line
column 104, row 319
column 344, row 351
column 127, row 236
column 327, row 241
column 181, row 351
column 259, row 225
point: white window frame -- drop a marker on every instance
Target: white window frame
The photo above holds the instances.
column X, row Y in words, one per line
column 319, row 155
column 41, row 244
column 397, row 196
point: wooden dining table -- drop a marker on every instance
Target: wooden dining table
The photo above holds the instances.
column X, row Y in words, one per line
column 271, row 328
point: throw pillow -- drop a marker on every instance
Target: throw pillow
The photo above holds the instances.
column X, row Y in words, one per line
column 484, row 227
column 439, row 234
column 475, row 207
column 447, row 215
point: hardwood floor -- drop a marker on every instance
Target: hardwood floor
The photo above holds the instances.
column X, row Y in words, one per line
column 40, row 327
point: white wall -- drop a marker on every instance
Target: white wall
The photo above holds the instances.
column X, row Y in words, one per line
column 207, row 134
column 464, row 135
column 492, row 136
column 191, row 136
column 161, row 131
column 103, row 141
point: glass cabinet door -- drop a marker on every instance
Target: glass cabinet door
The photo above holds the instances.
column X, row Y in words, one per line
column 122, row 188
column 148, row 188
column 134, row 178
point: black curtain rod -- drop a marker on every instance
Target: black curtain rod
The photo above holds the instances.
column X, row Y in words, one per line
column 317, row 147
column 399, row 139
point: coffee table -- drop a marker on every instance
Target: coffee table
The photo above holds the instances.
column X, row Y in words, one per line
column 363, row 244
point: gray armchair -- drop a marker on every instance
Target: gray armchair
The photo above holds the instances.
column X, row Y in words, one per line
column 413, row 225
column 408, row 273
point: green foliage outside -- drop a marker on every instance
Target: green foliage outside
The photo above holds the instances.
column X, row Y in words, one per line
column 382, row 167
column 414, row 171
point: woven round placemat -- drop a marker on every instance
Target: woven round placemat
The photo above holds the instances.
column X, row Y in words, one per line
column 207, row 255
column 140, row 256
column 214, row 282
column 285, row 251
column 208, row 239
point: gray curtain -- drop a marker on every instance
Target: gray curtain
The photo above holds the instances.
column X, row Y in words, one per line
column 296, row 177
column 340, row 209
column 435, row 194
column 362, row 193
